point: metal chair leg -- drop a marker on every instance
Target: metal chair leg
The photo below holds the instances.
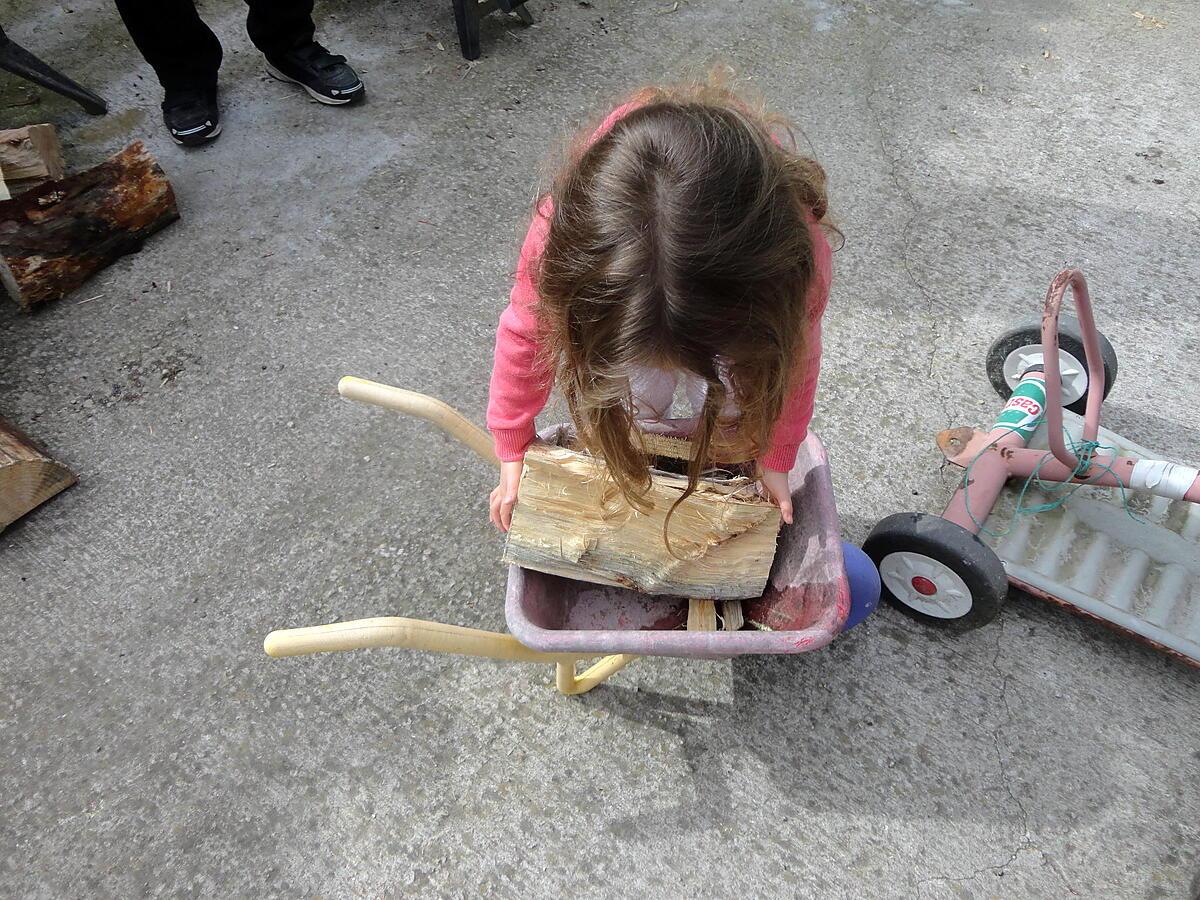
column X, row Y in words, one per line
column 16, row 59
column 466, row 19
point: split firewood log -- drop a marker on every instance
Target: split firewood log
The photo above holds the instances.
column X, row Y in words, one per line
column 28, row 476
column 29, row 155
column 57, row 235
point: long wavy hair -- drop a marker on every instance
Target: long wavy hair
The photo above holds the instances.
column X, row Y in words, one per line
column 678, row 239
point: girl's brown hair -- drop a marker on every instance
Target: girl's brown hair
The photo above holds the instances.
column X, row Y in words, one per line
column 678, row 239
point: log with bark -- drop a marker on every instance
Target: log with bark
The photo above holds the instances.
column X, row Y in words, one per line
column 571, row 520
column 28, row 476
column 57, row 235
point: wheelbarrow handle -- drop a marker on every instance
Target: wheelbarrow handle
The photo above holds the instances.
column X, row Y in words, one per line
column 422, row 406
column 438, row 637
column 412, row 634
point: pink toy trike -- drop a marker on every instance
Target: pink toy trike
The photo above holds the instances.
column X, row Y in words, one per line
column 560, row 621
column 1124, row 549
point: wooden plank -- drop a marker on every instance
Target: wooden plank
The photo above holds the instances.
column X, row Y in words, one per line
column 570, row 520
column 32, row 152
column 56, row 236
column 28, row 476
column 726, row 449
column 702, row 615
column 732, row 615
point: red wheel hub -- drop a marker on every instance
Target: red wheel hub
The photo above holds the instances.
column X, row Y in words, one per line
column 923, row 585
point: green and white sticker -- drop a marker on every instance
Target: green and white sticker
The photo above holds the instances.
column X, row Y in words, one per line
column 1025, row 408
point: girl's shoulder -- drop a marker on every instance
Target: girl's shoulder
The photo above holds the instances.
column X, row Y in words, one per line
column 539, row 231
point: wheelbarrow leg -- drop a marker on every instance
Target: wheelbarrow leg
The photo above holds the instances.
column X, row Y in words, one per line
column 570, row 684
column 19, row 61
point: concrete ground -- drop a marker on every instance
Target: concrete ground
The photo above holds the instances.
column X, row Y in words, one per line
column 150, row 748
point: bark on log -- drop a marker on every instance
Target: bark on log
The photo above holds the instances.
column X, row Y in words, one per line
column 28, row 476
column 30, row 153
column 570, row 520
column 56, row 236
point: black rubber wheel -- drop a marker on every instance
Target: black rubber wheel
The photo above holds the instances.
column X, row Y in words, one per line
column 1070, row 339
column 937, row 572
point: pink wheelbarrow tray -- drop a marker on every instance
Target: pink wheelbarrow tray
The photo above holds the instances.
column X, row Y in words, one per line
column 562, row 622
column 1123, row 549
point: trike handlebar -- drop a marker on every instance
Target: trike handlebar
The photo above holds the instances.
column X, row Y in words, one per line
column 1073, row 279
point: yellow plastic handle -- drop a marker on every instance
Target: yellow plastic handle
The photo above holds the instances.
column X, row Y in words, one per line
column 424, row 407
column 412, row 634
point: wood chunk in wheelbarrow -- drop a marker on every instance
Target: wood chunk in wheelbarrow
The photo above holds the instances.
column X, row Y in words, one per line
column 571, row 520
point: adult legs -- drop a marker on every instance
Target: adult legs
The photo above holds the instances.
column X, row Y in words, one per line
column 283, row 30
column 172, row 37
column 277, row 26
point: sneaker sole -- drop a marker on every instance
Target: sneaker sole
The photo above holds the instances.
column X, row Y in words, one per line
column 316, row 95
column 212, row 135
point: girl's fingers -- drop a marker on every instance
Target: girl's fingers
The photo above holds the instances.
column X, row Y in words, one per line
column 785, row 509
column 506, row 511
column 775, row 487
column 500, row 508
column 494, row 509
column 506, row 493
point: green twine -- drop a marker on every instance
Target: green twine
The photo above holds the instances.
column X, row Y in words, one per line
column 1061, row 491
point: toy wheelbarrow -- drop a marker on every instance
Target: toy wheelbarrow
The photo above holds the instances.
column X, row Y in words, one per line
column 560, row 621
column 1109, row 530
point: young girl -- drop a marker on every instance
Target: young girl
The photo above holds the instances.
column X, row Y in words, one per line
column 681, row 246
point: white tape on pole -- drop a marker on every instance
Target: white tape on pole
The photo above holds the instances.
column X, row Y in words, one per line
column 1162, row 478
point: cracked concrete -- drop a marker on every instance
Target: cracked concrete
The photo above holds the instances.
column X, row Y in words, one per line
column 151, row 749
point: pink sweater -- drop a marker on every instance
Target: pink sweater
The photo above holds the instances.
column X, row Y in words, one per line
column 521, row 386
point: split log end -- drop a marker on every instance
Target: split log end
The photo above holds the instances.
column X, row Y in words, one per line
column 28, row 476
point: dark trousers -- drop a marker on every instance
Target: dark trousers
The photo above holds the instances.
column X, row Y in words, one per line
column 186, row 54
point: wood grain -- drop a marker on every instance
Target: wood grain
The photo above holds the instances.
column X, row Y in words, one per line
column 28, row 476
column 570, row 520
column 30, row 153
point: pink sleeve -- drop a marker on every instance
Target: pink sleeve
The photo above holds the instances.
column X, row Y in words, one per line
column 521, row 382
column 792, row 427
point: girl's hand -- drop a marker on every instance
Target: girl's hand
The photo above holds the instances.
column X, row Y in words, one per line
column 504, row 497
column 775, row 486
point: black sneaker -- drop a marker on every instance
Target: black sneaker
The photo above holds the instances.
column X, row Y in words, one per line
column 326, row 77
column 192, row 116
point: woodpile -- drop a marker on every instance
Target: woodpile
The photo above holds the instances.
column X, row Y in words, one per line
column 56, row 231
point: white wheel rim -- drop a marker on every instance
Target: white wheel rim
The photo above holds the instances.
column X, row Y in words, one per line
column 1073, row 373
column 911, row 576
